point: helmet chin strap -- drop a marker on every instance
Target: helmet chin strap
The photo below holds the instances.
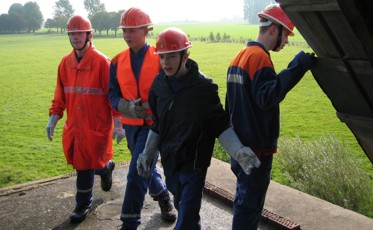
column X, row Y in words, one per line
column 180, row 62
column 279, row 38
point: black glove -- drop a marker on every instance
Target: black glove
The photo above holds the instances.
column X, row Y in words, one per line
column 306, row 60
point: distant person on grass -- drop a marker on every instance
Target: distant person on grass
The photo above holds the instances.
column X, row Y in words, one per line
column 254, row 92
column 82, row 90
column 188, row 117
column 132, row 72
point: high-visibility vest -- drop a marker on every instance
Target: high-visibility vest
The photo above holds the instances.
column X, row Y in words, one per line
column 130, row 88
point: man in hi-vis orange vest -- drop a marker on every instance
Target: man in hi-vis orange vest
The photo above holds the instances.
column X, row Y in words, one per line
column 132, row 72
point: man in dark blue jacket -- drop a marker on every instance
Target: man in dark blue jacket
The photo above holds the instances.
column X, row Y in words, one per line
column 254, row 93
column 188, row 117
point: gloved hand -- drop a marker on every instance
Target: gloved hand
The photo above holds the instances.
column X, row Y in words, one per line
column 51, row 125
column 307, row 60
column 243, row 155
column 118, row 131
column 131, row 109
column 145, row 159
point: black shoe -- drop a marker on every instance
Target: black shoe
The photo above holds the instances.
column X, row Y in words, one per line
column 107, row 179
column 167, row 208
column 124, row 227
column 80, row 213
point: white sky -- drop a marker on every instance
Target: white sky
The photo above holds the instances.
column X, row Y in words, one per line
column 159, row 10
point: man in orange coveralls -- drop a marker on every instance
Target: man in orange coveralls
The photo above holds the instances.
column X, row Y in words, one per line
column 82, row 89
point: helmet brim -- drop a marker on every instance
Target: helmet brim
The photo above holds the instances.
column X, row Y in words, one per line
column 275, row 20
column 172, row 51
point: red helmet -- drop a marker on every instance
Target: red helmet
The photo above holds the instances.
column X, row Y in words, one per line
column 275, row 14
column 172, row 40
column 78, row 23
column 134, row 18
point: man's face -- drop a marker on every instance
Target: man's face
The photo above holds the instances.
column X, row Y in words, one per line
column 135, row 37
column 170, row 62
column 78, row 39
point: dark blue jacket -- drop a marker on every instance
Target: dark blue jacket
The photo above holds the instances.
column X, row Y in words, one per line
column 188, row 116
column 254, row 93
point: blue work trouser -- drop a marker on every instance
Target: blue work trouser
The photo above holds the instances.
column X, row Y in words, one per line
column 187, row 188
column 84, row 184
column 250, row 194
column 137, row 185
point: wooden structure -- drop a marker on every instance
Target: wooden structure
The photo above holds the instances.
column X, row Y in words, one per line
column 340, row 32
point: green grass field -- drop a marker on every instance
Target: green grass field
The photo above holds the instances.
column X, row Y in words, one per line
column 28, row 75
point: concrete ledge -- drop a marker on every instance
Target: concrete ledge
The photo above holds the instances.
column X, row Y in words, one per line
column 308, row 211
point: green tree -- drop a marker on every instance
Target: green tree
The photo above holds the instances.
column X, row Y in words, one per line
column 106, row 21
column 211, row 37
column 226, row 37
column 4, row 23
column 33, row 16
column 218, row 37
column 93, row 6
column 49, row 24
column 15, row 20
column 17, row 23
column 16, row 8
column 63, row 8
column 100, row 21
column 251, row 8
column 114, row 20
column 60, row 22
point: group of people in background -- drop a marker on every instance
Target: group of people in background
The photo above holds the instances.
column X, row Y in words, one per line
column 156, row 98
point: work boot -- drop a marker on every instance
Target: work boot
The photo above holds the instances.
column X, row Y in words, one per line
column 167, row 208
column 80, row 213
column 124, row 227
column 107, row 179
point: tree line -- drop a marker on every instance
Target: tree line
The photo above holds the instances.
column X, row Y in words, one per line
column 21, row 18
column 28, row 17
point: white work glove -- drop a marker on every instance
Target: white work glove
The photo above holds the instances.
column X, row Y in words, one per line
column 118, row 131
column 242, row 154
column 51, row 125
column 145, row 159
column 132, row 109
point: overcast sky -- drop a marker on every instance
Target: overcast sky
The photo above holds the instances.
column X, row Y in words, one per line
column 159, row 10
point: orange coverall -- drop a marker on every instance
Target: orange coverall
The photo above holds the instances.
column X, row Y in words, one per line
column 82, row 89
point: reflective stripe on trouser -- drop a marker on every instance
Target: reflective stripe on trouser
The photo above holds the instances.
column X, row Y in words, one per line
column 137, row 186
column 187, row 188
column 250, row 194
column 84, row 184
column 84, row 187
